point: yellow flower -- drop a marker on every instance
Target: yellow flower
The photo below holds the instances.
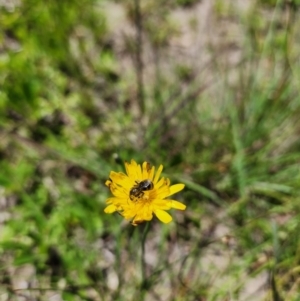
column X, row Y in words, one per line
column 140, row 194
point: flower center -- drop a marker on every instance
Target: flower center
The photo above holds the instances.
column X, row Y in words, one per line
column 140, row 191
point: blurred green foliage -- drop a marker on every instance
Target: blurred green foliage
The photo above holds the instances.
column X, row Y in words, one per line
column 229, row 129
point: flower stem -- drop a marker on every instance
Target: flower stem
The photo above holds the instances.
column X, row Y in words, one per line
column 143, row 262
column 139, row 54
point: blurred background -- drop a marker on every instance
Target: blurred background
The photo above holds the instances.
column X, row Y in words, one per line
column 209, row 89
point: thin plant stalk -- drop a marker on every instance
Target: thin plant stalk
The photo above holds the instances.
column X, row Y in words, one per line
column 139, row 54
column 143, row 262
column 143, row 241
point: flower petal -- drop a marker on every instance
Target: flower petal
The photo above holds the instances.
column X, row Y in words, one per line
column 151, row 173
column 120, row 179
column 163, row 216
column 127, row 167
column 162, row 192
column 175, row 188
column 146, row 168
column 160, row 183
column 112, row 200
column 162, row 204
column 138, row 170
column 135, row 222
column 133, row 170
column 118, row 191
column 177, row 205
column 110, row 209
column 158, row 173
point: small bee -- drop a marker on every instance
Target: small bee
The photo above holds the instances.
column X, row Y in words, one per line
column 137, row 191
